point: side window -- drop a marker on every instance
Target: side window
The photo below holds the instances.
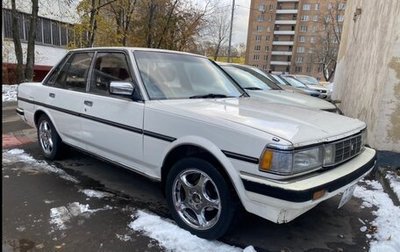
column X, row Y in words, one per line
column 109, row 67
column 73, row 75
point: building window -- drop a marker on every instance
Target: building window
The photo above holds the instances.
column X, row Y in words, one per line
column 257, row 48
column 300, row 49
column 303, row 28
column 258, row 37
column 312, row 40
column 268, row 28
column 304, row 18
column 317, row 6
column 47, row 31
column 306, row 6
column 260, row 18
column 342, row 6
column 261, row 7
column 308, row 69
column 265, row 57
column 267, row 48
column 256, row 57
column 302, row 39
column 267, row 38
column 315, row 18
column 340, row 18
column 314, row 28
column 298, row 69
column 299, row 59
column 260, row 28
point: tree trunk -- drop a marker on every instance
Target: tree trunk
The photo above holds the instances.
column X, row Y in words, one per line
column 17, row 43
column 152, row 10
column 30, row 55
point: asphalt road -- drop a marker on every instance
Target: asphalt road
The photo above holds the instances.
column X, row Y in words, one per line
column 28, row 196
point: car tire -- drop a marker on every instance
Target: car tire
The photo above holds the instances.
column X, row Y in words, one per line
column 48, row 138
column 200, row 198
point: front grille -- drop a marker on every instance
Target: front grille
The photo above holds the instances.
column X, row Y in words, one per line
column 347, row 148
column 322, row 91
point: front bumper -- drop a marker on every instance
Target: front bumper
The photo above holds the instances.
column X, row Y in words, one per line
column 283, row 201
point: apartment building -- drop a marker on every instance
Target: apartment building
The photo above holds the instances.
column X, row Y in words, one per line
column 294, row 36
column 53, row 35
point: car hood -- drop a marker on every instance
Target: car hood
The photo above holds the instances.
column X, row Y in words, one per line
column 298, row 125
column 316, row 87
column 296, row 99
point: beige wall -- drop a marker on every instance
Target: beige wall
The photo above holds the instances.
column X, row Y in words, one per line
column 367, row 76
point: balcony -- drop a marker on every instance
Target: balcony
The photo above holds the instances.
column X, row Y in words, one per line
column 281, row 53
column 288, row 43
column 289, row 11
column 284, row 32
column 285, row 22
column 280, row 63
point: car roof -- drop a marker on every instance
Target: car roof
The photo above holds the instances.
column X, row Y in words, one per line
column 135, row 49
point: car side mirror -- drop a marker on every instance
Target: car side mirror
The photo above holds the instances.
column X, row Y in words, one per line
column 122, row 88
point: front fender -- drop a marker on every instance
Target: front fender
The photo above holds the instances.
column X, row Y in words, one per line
column 216, row 152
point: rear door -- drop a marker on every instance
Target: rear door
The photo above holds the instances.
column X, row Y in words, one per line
column 65, row 95
column 113, row 124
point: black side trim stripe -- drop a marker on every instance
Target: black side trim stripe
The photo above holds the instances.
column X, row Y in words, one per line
column 159, row 136
column 104, row 121
column 240, row 157
column 306, row 195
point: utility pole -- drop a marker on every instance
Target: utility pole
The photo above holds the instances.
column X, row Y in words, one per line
column 230, row 32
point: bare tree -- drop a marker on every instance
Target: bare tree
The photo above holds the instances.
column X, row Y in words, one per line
column 324, row 54
column 218, row 31
column 24, row 74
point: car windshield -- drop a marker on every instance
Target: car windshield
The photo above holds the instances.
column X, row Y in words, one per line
column 179, row 76
column 308, row 80
column 279, row 79
column 249, row 78
column 294, row 82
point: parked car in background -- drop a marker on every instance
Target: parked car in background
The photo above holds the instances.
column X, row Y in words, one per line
column 297, row 84
column 257, row 84
column 312, row 83
column 283, row 85
column 179, row 119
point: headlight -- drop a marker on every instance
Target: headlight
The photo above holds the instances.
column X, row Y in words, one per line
column 291, row 161
column 364, row 137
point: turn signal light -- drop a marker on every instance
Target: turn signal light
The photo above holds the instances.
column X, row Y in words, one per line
column 266, row 160
column 318, row 194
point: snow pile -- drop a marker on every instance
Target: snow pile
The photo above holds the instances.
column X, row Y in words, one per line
column 394, row 181
column 32, row 165
column 9, row 92
column 173, row 238
column 124, row 238
column 95, row 194
column 387, row 222
column 60, row 216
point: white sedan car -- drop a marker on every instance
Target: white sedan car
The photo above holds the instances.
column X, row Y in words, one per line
column 258, row 84
column 179, row 119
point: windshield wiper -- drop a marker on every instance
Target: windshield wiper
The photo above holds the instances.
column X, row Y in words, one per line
column 253, row 88
column 209, row 96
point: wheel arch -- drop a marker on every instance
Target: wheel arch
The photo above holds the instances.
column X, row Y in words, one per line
column 193, row 146
column 38, row 113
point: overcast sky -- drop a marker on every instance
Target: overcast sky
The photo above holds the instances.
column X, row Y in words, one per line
column 241, row 21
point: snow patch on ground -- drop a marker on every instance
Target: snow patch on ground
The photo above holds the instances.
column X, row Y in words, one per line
column 387, row 221
column 394, row 181
column 173, row 238
column 33, row 165
column 124, row 238
column 60, row 216
column 9, row 92
column 95, row 194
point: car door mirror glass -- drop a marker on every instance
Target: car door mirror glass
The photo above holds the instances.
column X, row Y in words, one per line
column 121, row 88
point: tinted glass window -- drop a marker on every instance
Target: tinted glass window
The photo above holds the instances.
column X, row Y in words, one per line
column 73, row 74
column 109, row 67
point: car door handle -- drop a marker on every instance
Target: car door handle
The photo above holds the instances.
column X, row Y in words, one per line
column 52, row 95
column 88, row 103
